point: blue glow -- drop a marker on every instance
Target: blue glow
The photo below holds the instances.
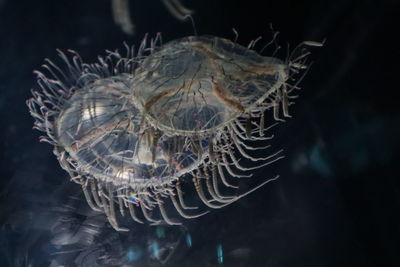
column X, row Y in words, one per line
column 155, row 249
column 220, row 254
column 160, row 231
column 188, row 240
column 318, row 162
column 133, row 254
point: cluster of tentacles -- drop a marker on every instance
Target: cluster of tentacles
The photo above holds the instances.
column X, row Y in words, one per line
column 111, row 146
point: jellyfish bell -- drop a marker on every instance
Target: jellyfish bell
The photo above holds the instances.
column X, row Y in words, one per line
column 198, row 84
column 99, row 128
column 101, row 144
column 132, row 129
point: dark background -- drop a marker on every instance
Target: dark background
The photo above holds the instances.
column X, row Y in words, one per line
column 337, row 201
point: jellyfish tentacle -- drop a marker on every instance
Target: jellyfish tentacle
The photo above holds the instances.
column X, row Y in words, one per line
column 113, row 219
column 214, row 175
column 176, row 8
column 120, row 203
column 133, row 214
column 147, row 215
column 95, row 193
column 245, row 154
column 180, row 197
column 89, row 200
column 223, row 178
column 164, row 212
column 181, row 212
column 200, row 192
column 211, row 188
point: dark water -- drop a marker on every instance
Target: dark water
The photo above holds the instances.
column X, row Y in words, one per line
column 338, row 198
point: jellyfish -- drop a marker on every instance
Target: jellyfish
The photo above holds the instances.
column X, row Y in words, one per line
column 139, row 131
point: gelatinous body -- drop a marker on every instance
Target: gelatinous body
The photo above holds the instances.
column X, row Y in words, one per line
column 100, row 128
column 131, row 130
column 198, row 84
